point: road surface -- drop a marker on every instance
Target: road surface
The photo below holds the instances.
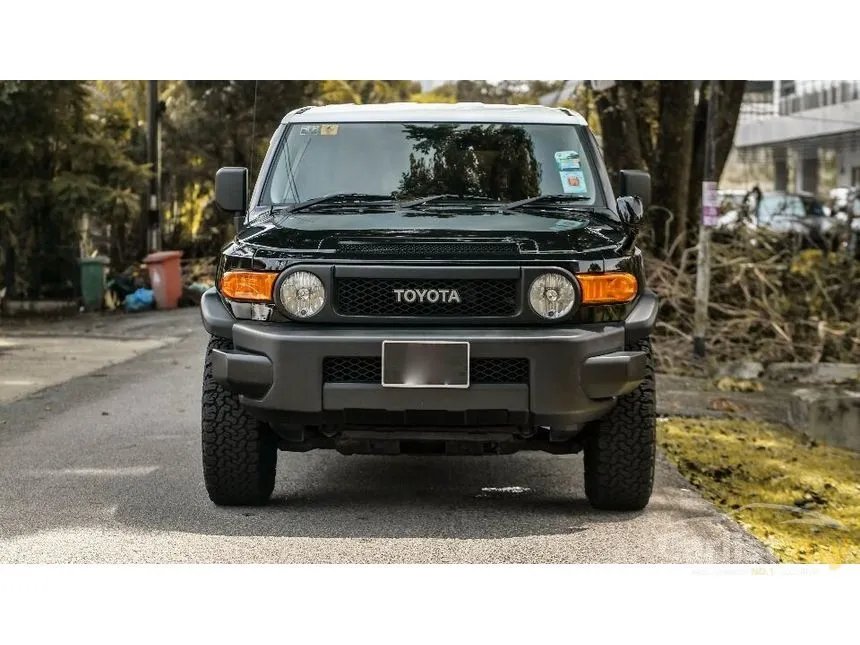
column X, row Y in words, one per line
column 105, row 467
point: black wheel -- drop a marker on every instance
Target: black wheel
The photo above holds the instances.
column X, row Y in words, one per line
column 620, row 448
column 239, row 452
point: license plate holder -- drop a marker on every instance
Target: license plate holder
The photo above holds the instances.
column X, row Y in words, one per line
column 417, row 364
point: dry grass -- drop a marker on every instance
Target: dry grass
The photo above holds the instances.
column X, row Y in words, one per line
column 799, row 497
column 769, row 302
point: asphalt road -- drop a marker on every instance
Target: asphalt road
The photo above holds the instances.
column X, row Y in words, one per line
column 106, row 468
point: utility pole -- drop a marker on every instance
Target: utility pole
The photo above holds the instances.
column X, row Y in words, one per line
column 153, row 230
column 710, row 213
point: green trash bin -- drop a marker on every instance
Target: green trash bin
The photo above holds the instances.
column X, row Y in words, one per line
column 93, row 274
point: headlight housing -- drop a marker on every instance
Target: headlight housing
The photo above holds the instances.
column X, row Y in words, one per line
column 302, row 294
column 552, row 295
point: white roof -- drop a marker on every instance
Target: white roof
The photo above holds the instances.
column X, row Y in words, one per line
column 434, row 112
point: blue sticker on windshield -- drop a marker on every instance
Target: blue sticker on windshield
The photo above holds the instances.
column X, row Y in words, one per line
column 573, row 182
column 567, row 160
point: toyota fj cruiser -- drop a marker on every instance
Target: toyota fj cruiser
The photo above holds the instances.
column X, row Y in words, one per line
column 431, row 279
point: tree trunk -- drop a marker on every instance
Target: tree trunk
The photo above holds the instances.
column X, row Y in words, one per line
column 731, row 95
column 9, row 268
column 611, row 129
column 647, row 102
column 616, row 109
column 671, row 168
column 627, row 115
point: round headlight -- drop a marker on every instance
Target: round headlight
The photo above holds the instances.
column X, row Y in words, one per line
column 302, row 294
column 552, row 295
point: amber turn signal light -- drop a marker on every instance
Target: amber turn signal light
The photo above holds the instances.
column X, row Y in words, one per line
column 253, row 286
column 607, row 288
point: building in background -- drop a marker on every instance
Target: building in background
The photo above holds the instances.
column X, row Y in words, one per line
column 808, row 132
column 791, row 135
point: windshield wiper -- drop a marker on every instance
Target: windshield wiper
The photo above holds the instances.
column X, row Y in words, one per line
column 549, row 200
column 356, row 199
column 564, row 204
column 435, row 198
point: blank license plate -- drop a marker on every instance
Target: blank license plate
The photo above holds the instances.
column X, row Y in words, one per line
column 416, row 364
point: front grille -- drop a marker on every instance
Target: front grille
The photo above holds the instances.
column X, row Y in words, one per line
column 499, row 370
column 376, row 297
column 368, row 369
column 352, row 369
column 429, row 249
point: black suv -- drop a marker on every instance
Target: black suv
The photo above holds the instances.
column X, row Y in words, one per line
column 434, row 279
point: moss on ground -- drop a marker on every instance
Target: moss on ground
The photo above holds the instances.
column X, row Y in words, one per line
column 801, row 498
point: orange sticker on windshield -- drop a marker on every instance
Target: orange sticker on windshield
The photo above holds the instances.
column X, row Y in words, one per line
column 329, row 130
column 573, row 182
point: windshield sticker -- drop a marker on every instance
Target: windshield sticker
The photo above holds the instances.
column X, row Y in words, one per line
column 573, row 182
column 329, row 130
column 309, row 129
column 567, row 160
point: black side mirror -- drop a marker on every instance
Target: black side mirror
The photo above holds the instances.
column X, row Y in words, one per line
column 231, row 190
column 631, row 211
column 635, row 183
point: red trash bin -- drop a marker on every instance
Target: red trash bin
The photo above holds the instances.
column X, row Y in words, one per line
column 165, row 275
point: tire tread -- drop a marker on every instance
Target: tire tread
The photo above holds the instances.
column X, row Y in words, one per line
column 620, row 450
column 239, row 452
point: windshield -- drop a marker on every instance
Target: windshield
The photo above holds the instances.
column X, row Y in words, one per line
column 496, row 161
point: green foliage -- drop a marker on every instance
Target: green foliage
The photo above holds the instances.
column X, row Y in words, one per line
column 511, row 92
column 207, row 125
column 73, row 172
column 64, row 163
column 210, row 124
column 365, row 91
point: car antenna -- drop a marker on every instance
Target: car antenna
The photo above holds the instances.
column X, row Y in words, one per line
column 239, row 218
column 253, row 131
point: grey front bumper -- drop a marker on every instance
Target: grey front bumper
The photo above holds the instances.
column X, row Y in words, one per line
column 574, row 372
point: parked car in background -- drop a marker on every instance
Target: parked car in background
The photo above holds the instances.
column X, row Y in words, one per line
column 797, row 214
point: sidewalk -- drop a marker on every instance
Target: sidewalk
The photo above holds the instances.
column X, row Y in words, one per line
column 36, row 354
column 699, row 397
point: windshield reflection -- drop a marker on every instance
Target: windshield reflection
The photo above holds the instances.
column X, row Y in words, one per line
column 407, row 161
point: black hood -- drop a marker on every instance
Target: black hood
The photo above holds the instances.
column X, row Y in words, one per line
column 533, row 232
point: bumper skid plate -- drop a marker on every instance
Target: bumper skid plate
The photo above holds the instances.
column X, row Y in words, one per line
column 573, row 374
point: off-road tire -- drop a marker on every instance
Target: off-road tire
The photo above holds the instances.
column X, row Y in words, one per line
column 620, row 448
column 239, row 452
